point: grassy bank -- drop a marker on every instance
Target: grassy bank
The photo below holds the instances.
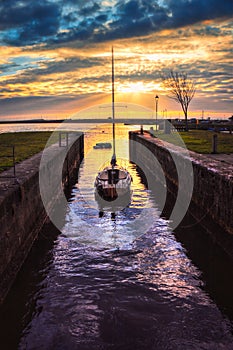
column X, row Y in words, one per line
column 26, row 145
column 29, row 143
column 200, row 141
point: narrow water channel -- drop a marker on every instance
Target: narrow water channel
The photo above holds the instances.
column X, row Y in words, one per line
column 108, row 283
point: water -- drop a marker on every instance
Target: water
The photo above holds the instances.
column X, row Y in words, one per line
column 19, row 127
column 105, row 283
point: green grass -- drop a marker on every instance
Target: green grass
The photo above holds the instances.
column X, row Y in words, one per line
column 26, row 145
column 200, row 141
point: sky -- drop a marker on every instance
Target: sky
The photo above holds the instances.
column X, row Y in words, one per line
column 56, row 55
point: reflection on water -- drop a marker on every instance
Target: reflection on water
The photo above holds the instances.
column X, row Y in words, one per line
column 148, row 296
column 104, row 231
column 123, row 283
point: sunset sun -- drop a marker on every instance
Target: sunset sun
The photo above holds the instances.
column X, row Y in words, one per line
column 133, row 87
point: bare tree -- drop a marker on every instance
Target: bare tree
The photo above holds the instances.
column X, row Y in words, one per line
column 181, row 88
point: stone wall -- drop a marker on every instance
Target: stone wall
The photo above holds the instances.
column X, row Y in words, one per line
column 22, row 212
column 212, row 194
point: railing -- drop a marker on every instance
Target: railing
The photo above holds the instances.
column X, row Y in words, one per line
column 207, row 125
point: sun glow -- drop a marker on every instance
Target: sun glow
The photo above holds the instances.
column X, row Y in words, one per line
column 133, row 87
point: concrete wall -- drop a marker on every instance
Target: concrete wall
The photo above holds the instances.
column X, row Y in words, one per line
column 212, row 195
column 22, row 212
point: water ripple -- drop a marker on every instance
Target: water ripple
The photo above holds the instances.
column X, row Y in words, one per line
column 113, row 286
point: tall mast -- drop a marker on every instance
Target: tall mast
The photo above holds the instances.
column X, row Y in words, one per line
column 113, row 161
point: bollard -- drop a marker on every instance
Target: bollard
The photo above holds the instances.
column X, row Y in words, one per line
column 152, row 131
column 214, row 144
column 141, row 130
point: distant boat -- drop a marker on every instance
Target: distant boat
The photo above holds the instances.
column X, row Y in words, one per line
column 103, row 145
column 113, row 182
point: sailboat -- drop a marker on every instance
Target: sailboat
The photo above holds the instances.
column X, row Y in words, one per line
column 113, row 182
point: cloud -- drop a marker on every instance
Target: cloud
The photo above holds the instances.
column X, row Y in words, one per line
column 125, row 20
column 187, row 12
column 67, row 40
column 71, row 64
column 139, row 18
column 46, row 106
column 89, row 9
column 22, row 105
column 29, row 22
column 8, row 67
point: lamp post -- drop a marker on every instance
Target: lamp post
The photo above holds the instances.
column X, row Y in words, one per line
column 156, row 109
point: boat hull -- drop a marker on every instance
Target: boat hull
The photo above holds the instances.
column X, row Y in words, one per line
column 113, row 186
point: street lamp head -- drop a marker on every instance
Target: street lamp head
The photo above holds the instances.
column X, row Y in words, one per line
column 156, row 98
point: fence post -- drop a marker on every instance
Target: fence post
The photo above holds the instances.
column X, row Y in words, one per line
column 214, row 144
column 12, row 157
column 66, row 139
